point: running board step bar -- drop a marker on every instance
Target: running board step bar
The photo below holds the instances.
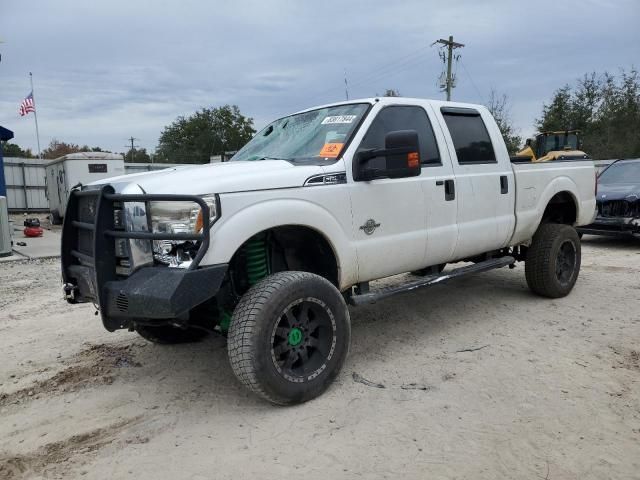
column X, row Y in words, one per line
column 375, row 295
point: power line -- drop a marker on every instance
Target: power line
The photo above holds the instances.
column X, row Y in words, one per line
column 383, row 74
column 472, row 82
column 379, row 72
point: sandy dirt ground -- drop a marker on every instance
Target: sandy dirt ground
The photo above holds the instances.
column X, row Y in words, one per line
column 477, row 379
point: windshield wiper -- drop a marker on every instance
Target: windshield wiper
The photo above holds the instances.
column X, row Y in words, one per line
column 275, row 158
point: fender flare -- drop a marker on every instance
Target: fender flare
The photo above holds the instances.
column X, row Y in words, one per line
column 558, row 185
column 228, row 234
column 531, row 218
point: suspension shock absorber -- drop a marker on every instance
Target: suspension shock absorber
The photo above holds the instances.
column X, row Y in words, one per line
column 257, row 260
column 257, row 267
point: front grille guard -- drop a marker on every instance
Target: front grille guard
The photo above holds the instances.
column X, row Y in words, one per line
column 102, row 262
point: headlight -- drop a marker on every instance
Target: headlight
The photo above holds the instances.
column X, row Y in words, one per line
column 178, row 217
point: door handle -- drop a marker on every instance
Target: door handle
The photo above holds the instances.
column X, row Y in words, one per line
column 449, row 190
column 504, row 184
column 439, row 182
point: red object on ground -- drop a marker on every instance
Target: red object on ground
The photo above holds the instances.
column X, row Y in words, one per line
column 32, row 231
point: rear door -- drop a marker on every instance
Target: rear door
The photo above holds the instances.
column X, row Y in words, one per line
column 484, row 183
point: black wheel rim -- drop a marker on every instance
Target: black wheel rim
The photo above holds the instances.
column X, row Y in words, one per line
column 566, row 262
column 303, row 339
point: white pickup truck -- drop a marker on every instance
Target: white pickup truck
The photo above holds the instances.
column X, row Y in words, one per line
column 270, row 247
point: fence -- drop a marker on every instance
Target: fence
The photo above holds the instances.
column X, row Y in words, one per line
column 26, row 187
column 26, row 182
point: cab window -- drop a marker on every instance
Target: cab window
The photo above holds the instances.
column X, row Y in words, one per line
column 469, row 134
column 401, row 117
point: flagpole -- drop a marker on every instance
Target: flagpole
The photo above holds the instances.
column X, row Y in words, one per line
column 35, row 115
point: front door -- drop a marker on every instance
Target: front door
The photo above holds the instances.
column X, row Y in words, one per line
column 391, row 217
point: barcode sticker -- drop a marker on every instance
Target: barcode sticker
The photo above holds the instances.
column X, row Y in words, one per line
column 339, row 119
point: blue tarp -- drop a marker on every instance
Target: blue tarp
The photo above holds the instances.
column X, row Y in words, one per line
column 5, row 135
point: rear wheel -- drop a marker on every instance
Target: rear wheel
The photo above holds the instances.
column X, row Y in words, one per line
column 169, row 335
column 289, row 337
column 553, row 260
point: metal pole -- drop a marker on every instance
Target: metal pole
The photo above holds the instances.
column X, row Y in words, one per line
column 449, row 58
column 24, row 187
column 35, row 116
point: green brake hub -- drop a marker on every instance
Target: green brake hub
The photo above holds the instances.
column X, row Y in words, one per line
column 295, row 337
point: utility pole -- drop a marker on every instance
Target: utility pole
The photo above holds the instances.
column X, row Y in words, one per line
column 133, row 147
column 451, row 46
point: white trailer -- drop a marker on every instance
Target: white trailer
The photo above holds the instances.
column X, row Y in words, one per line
column 63, row 173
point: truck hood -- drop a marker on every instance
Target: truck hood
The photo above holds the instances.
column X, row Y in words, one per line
column 618, row 191
column 218, row 177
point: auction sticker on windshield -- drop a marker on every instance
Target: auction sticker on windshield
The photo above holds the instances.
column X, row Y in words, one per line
column 338, row 119
column 331, row 150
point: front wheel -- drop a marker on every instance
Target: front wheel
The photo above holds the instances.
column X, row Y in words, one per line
column 552, row 263
column 289, row 337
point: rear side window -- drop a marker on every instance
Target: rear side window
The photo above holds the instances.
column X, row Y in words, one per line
column 470, row 137
column 391, row 119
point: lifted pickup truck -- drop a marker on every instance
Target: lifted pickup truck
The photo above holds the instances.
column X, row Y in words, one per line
column 270, row 247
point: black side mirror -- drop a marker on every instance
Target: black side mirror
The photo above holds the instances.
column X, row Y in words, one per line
column 401, row 154
column 528, row 142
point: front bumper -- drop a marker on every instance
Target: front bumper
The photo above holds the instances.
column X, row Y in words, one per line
column 90, row 271
column 613, row 226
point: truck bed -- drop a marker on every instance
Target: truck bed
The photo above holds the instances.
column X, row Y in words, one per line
column 536, row 183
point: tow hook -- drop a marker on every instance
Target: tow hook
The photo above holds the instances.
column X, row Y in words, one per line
column 69, row 292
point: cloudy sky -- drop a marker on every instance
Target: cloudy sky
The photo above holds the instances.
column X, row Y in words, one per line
column 107, row 70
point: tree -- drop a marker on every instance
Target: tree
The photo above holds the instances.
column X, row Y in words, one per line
column 210, row 131
column 13, row 150
column 605, row 108
column 501, row 110
column 139, row 155
column 557, row 115
column 57, row 149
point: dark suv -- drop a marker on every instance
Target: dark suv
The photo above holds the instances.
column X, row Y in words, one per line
column 618, row 200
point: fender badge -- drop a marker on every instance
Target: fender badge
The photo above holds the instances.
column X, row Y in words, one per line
column 369, row 226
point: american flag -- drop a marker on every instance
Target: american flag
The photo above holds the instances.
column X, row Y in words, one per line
column 27, row 105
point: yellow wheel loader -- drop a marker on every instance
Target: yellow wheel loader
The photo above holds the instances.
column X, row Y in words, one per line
column 549, row 146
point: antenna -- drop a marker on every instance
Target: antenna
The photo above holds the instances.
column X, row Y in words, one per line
column 346, row 85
